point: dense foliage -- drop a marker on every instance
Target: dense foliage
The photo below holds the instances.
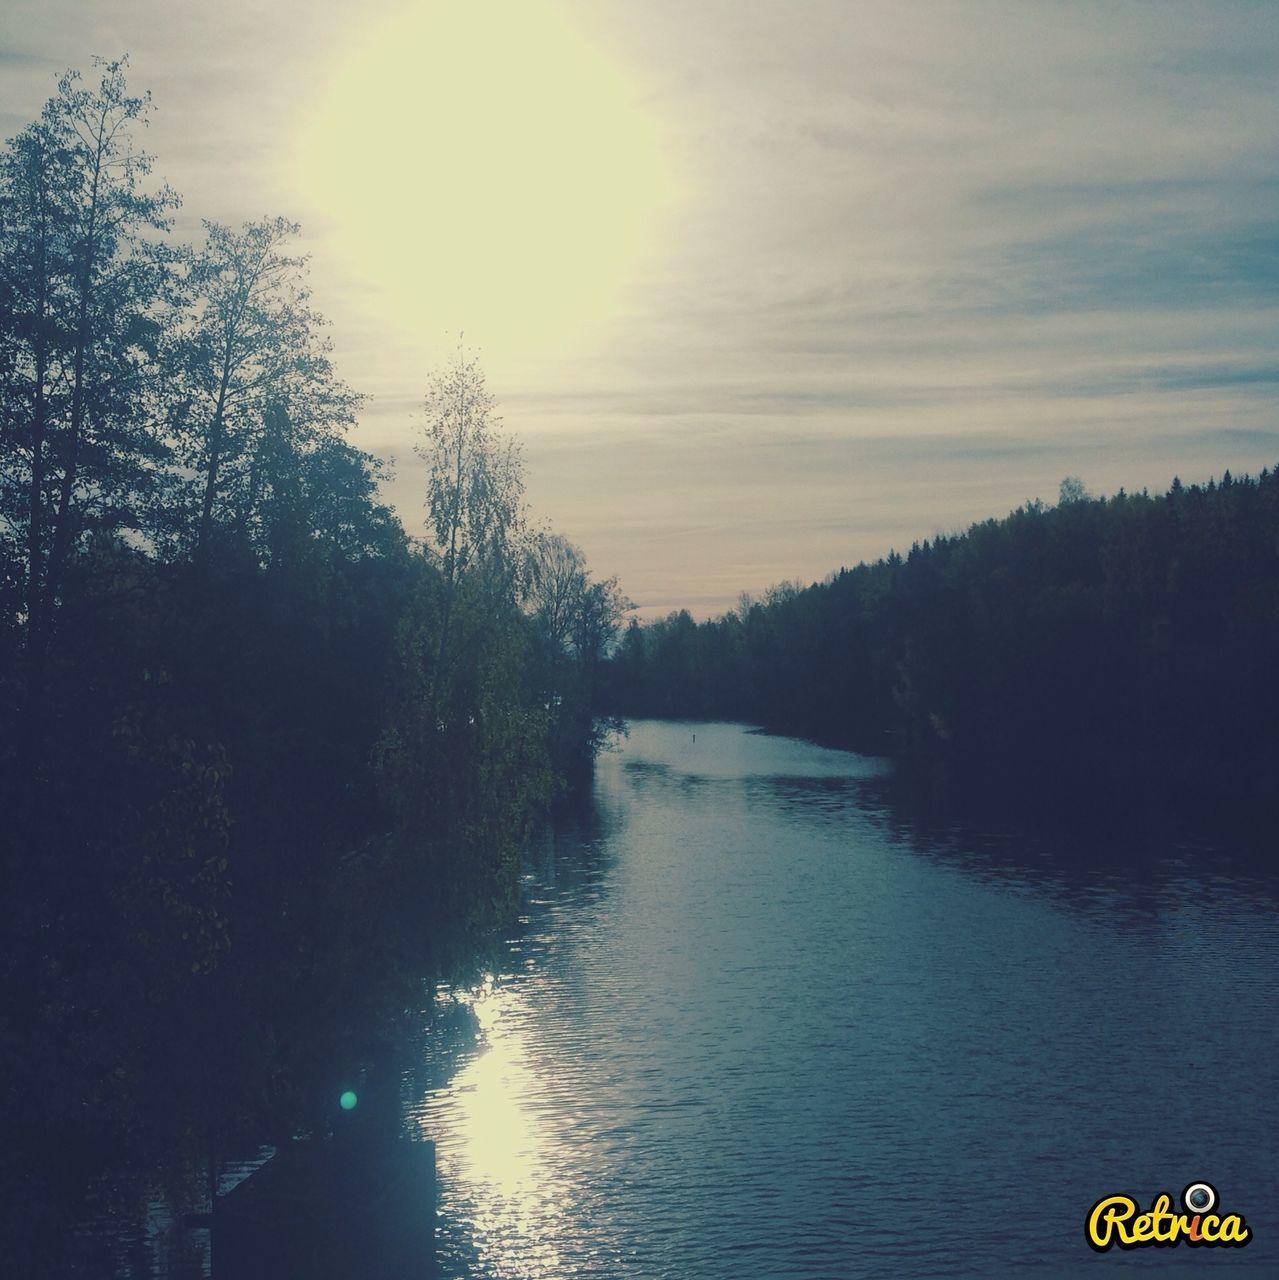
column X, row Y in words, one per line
column 1124, row 643
column 266, row 763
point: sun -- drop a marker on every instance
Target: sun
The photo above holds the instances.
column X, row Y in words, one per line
column 486, row 170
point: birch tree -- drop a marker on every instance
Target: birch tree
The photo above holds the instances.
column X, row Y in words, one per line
column 475, row 488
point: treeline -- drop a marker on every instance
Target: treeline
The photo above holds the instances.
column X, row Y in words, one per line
column 266, row 762
column 1125, row 643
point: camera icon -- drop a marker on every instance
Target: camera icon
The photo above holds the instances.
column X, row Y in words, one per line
column 1199, row 1197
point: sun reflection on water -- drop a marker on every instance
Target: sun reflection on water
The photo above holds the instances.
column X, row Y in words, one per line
column 491, row 1146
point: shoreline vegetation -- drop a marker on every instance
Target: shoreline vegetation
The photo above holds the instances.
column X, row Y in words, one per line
column 1120, row 648
column 267, row 763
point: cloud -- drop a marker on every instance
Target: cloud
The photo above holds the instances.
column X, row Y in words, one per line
column 923, row 260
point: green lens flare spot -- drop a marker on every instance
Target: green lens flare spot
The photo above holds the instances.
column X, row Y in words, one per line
column 347, row 1101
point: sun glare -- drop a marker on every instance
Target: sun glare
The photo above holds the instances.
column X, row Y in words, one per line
column 485, row 169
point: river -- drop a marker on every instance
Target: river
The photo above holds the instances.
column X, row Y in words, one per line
column 756, row 1023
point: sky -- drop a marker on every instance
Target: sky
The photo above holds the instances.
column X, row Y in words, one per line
column 765, row 287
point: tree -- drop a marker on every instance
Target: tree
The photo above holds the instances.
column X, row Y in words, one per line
column 258, row 382
column 475, row 488
column 575, row 621
column 601, row 608
column 84, row 294
column 574, row 616
column 1072, row 490
column 557, row 576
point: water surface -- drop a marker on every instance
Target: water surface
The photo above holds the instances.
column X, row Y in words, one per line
column 758, row 1022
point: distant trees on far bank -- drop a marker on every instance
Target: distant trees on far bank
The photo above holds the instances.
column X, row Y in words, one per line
column 1121, row 643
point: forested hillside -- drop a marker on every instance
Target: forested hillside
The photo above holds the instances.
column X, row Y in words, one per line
column 1121, row 642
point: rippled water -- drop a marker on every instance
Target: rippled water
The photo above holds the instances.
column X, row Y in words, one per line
column 756, row 1024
